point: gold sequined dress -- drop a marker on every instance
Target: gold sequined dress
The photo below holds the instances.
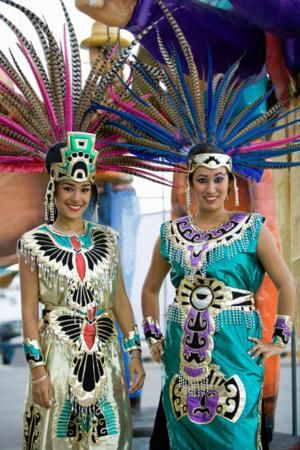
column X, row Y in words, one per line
column 77, row 287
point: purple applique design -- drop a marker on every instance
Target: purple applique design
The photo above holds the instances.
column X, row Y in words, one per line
column 197, row 338
column 215, row 396
column 196, row 245
column 199, row 390
column 282, row 330
column 202, row 406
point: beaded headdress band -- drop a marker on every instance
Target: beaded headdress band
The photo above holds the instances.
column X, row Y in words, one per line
column 210, row 161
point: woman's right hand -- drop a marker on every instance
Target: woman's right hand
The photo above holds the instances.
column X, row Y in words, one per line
column 157, row 351
column 42, row 391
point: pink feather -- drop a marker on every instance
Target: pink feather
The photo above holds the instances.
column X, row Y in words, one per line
column 44, row 93
column 7, row 122
column 127, row 107
column 68, row 102
column 103, row 142
column 25, row 146
column 20, row 164
column 268, row 144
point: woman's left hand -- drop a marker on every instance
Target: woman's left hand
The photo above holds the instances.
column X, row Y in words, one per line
column 137, row 374
column 265, row 350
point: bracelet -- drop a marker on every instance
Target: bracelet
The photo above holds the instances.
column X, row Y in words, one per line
column 152, row 331
column 136, row 357
column 132, row 341
column 282, row 330
column 33, row 353
column 38, row 380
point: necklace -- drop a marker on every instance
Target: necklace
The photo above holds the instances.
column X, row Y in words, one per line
column 58, row 230
column 202, row 230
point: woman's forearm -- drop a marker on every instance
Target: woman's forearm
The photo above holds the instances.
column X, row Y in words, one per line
column 287, row 299
column 124, row 315
column 150, row 303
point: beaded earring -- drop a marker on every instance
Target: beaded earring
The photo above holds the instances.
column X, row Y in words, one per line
column 188, row 196
column 95, row 216
column 236, row 191
column 49, row 202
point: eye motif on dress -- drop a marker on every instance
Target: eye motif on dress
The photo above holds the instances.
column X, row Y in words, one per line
column 200, row 299
column 88, row 335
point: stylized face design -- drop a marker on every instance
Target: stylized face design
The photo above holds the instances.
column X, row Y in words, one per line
column 202, row 408
column 210, row 187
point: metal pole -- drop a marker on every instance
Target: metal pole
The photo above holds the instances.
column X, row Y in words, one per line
column 294, row 384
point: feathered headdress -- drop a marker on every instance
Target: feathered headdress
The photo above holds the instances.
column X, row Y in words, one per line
column 42, row 117
column 178, row 114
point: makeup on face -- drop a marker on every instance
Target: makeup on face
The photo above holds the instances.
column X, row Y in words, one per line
column 72, row 198
column 210, row 186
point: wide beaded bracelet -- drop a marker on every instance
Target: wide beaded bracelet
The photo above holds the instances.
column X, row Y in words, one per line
column 132, row 341
column 33, row 353
column 152, row 331
column 282, row 330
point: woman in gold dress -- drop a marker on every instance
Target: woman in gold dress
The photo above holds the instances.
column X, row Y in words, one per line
column 77, row 396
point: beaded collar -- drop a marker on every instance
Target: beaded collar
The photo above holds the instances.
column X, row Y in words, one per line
column 194, row 249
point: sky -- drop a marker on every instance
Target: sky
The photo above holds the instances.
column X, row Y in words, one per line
column 153, row 197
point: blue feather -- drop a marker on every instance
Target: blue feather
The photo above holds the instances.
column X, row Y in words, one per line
column 248, row 118
column 209, row 92
column 190, row 104
column 261, row 131
column 132, row 93
column 235, row 99
column 142, row 124
column 220, row 91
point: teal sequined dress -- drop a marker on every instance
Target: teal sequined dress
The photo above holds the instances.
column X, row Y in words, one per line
column 212, row 388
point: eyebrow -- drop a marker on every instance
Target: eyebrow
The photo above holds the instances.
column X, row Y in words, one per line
column 68, row 183
column 205, row 176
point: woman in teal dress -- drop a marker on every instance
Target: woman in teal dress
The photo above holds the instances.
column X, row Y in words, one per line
column 212, row 352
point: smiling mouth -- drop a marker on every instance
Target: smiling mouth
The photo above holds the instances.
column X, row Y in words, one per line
column 74, row 208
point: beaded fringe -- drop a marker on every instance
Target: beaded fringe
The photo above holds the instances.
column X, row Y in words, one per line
column 227, row 317
column 101, row 282
column 238, row 244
